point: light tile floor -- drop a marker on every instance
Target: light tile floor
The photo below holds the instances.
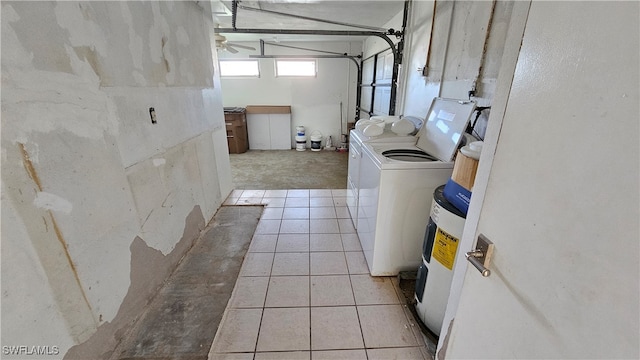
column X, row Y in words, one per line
column 305, row 292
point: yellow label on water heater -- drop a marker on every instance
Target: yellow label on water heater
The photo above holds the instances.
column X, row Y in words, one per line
column 445, row 246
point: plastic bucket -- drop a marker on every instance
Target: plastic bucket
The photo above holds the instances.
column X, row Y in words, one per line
column 300, row 130
column 316, row 141
column 301, row 142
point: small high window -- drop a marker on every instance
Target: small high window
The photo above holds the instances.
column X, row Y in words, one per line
column 239, row 68
column 296, row 68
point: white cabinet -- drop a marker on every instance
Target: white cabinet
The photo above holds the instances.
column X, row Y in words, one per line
column 280, row 131
column 258, row 130
column 269, row 127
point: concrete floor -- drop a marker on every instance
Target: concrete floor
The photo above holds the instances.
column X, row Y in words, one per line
column 181, row 320
column 289, row 169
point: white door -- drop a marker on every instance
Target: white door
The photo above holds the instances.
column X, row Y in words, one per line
column 562, row 196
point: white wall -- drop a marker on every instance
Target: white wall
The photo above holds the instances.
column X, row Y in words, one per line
column 315, row 102
column 84, row 172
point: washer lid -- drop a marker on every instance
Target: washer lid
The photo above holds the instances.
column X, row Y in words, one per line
column 446, row 121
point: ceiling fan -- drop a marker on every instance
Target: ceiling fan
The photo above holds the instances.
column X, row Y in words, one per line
column 222, row 43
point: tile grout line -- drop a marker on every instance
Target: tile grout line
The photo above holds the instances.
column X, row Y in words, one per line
column 310, row 325
column 355, row 303
column 366, row 353
column 407, row 312
column 264, row 302
column 255, row 347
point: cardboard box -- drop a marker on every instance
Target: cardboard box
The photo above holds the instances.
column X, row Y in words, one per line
column 458, row 188
column 268, row 109
column 464, row 170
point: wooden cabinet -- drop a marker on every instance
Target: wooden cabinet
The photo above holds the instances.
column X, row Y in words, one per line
column 269, row 127
column 236, row 124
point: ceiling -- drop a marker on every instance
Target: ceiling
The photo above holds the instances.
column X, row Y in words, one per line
column 371, row 13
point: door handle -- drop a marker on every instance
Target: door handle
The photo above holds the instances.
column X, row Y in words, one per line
column 480, row 258
column 476, row 257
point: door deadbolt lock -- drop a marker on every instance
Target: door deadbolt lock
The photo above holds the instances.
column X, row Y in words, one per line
column 480, row 258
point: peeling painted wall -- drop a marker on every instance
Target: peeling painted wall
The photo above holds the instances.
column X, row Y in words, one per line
column 85, row 172
column 456, row 52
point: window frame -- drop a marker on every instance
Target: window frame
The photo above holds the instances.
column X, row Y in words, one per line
column 251, row 76
column 315, row 67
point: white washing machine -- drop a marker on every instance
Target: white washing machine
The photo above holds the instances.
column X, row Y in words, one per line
column 396, row 188
column 357, row 138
